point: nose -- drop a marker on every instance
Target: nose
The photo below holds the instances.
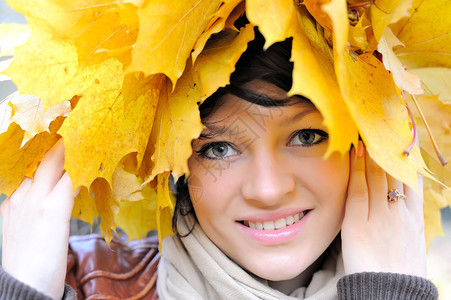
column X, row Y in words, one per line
column 269, row 180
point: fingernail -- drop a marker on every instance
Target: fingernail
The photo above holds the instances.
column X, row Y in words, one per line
column 360, row 150
column 77, row 191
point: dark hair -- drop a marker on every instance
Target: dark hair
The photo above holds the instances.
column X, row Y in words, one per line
column 272, row 66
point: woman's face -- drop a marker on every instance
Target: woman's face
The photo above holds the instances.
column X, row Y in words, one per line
column 260, row 187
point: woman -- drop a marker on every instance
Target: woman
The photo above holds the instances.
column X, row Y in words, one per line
column 262, row 214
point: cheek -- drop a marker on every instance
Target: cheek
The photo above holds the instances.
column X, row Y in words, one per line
column 328, row 176
column 208, row 190
column 335, row 175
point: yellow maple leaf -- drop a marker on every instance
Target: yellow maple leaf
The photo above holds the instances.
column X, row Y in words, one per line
column 47, row 72
column 217, row 23
column 92, row 25
column 436, row 81
column 17, row 161
column 224, row 11
column 49, row 12
column 376, row 105
column 4, row 64
column 85, row 208
column 436, row 197
column 425, row 35
column 272, row 18
column 138, row 203
column 433, row 202
column 404, row 79
column 107, row 202
column 357, row 36
column 104, row 31
column 168, row 31
column 165, row 206
column 313, row 73
column 12, row 35
column 237, row 12
column 314, row 77
column 219, row 58
column 30, row 116
column 200, row 43
column 115, row 112
column 316, row 9
column 107, row 206
column 138, row 217
column 378, row 112
column 96, row 31
column 438, row 117
column 6, row 113
column 125, row 184
column 386, row 12
column 177, row 122
column 336, row 9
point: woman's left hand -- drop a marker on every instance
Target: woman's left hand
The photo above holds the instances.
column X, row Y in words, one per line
column 379, row 235
column 36, row 220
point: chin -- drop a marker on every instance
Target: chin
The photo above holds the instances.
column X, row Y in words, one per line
column 278, row 269
column 278, row 275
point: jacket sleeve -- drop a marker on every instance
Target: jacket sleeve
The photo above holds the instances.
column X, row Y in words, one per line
column 12, row 289
column 381, row 286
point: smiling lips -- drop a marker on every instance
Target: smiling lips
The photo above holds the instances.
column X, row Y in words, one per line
column 277, row 224
column 277, row 231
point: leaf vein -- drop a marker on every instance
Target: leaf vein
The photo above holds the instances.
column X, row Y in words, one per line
column 174, row 27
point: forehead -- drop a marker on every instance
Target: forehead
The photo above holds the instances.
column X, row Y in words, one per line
column 256, row 104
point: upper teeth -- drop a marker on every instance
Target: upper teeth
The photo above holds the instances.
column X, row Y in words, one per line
column 277, row 224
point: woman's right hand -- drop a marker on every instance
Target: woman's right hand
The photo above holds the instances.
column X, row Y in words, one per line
column 36, row 224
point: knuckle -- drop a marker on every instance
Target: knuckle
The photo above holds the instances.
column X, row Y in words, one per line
column 376, row 172
column 359, row 168
column 360, row 193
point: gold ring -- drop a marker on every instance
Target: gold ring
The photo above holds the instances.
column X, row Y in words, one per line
column 394, row 195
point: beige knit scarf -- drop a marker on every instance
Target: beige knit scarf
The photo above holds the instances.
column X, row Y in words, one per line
column 194, row 268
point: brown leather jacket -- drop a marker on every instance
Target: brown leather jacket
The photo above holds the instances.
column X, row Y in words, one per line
column 121, row 271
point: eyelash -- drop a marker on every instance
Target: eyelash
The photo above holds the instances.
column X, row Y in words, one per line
column 323, row 136
column 203, row 150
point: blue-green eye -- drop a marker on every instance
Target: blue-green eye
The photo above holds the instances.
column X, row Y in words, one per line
column 217, row 150
column 308, row 137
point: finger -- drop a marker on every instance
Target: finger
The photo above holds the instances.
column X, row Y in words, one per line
column 22, row 190
column 377, row 185
column 50, row 170
column 357, row 202
column 395, row 185
column 63, row 193
column 414, row 200
column 17, row 197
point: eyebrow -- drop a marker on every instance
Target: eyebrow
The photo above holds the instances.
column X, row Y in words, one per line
column 264, row 100
column 299, row 115
column 212, row 131
column 261, row 100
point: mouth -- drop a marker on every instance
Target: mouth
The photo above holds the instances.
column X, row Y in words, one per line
column 275, row 224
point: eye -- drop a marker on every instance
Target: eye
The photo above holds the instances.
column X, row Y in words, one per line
column 308, row 137
column 217, row 150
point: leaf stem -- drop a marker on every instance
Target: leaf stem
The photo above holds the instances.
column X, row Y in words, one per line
column 414, row 129
column 434, row 143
